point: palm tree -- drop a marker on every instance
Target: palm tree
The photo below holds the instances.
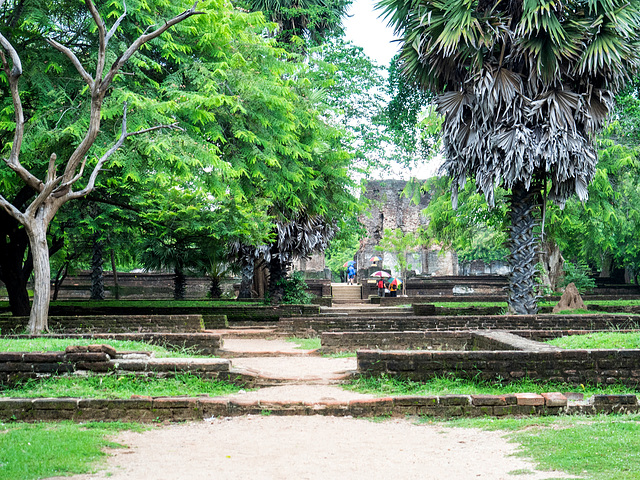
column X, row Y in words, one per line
column 523, row 85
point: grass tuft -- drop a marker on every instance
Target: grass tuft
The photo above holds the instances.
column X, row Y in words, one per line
column 118, row 386
column 42, row 450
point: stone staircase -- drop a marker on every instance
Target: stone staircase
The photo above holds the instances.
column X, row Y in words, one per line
column 347, row 294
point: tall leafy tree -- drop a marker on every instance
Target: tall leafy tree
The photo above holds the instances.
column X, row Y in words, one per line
column 523, row 86
column 51, row 189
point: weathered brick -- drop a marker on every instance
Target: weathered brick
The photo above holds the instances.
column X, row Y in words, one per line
column 554, row 399
column 532, row 399
column 447, row 400
column 488, row 400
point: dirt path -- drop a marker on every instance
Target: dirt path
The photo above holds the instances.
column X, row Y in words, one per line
column 296, row 448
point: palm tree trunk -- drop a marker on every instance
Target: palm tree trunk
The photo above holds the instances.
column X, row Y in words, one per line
column 276, row 274
column 97, row 271
column 524, row 248
column 179, row 284
column 247, row 276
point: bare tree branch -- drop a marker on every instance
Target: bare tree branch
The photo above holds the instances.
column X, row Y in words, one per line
column 74, row 60
column 11, row 210
column 115, row 26
column 102, row 43
column 123, row 136
column 13, row 75
column 142, row 39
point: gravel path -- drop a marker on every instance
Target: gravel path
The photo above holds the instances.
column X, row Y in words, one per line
column 298, row 448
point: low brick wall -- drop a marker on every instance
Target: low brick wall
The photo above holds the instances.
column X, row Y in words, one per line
column 19, row 366
column 235, row 313
column 573, row 367
column 114, row 323
column 154, row 409
column 428, row 340
column 387, row 323
column 198, row 343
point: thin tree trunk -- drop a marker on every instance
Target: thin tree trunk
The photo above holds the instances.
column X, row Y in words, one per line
column 18, row 297
column 116, row 284
column 523, row 246
column 39, row 317
column 60, row 276
column 97, row 277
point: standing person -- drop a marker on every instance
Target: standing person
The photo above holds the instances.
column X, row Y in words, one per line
column 381, row 288
column 393, row 288
column 351, row 274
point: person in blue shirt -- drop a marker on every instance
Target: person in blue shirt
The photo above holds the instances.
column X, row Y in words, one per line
column 351, row 274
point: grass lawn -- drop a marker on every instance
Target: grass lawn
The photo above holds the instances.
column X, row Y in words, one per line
column 118, row 386
column 599, row 340
column 384, row 386
column 45, row 344
column 602, row 447
column 41, row 450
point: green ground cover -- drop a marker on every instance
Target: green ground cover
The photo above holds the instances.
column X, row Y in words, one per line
column 45, row 344
column 599, row 340
column 41, row 450
column 601, row 447
column 450, row 385
column 470, row 304
column 118, row 386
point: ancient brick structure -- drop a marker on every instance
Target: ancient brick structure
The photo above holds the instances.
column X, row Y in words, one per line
column 390, row 209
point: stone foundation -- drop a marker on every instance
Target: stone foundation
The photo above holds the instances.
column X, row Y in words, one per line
column 149, row 409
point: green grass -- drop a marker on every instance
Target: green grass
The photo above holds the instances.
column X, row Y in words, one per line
column 470, row 304
column 118, row 386
column 385, row 386
column 42, row 450
column 601, row 447
column 598, row 340
column 45, row 344
column 305, row 343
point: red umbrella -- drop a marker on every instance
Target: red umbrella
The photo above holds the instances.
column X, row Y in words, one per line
column 380, row 273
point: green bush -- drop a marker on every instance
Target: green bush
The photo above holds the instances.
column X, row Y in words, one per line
column 295, row 289
column 578, row 273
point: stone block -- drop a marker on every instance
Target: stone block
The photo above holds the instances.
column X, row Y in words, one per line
column 55, row 403
column 529, row 399
column 574, row 396
column 614, row 400
column 175, row 402
column 449, row 400
column 10, row 357
column 554, row 399
column 39, row 357
column 488, row 400
column 214, row 407
column 407, row 401
column 86, row 357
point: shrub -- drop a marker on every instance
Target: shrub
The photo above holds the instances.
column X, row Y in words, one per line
column 578, row 273
column 295, row 289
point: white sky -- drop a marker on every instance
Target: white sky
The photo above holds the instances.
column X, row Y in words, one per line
column 366, row 30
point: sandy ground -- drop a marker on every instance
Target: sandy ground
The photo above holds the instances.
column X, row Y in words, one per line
column 297, row 448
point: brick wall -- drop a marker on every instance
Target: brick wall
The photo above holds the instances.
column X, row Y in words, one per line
column 317, row 325
column 573, row 367
column 428, row 340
